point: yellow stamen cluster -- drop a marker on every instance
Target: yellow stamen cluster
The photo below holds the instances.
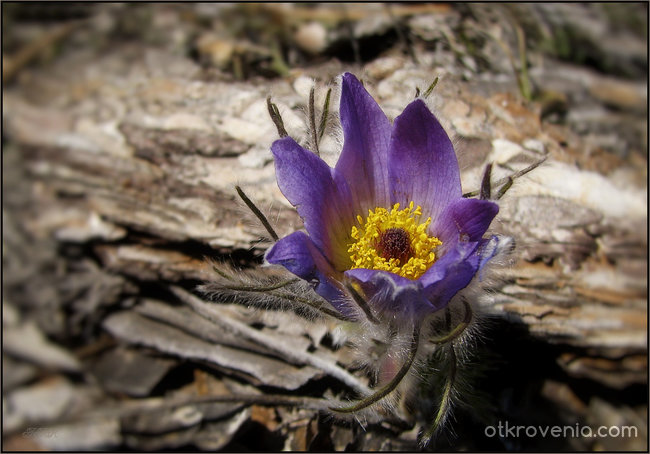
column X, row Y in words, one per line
column 366, row 250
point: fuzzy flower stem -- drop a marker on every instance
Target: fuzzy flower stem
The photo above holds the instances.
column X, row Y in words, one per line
column 313, row 305
column 220, row 273
column 256, row 399
column 312, row 122
column 486, row 187
column 445, row 401
column 324, row 114
column 284, row 296
column 389, row 387
column 362, row 303
column 154, row 405
column 277, row 119
column 458, row 330
column 249, row 203
column 504, row 188
column 510, row 178
column 276, row 300
column 429, row 90
column 264, row 288
column 285, row 350
column 158, row 404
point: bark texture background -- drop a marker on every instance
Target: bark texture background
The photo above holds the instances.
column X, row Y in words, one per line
column 126, row 127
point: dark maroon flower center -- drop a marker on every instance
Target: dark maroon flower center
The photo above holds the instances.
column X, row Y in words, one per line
column 395, row 243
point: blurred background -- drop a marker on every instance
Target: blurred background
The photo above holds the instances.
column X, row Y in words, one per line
column 126, row 127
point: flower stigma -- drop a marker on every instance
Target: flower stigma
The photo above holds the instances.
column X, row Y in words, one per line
column 394, row 241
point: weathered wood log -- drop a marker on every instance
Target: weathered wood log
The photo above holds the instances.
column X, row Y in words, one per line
column 119, row 174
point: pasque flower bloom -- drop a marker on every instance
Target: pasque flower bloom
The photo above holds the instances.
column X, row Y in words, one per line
column 389, row 220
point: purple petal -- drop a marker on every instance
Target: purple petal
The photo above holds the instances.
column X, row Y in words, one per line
column 453, row 272
column 364, row 158
column 389, row 292
column 297, row 253
column 490, row 247
column 440, row 269
column 422, row 165
column 465, row 220
column 323, row 203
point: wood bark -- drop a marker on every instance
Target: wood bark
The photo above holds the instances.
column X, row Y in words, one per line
column 118, row 184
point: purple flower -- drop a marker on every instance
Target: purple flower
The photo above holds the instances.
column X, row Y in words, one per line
column 389, row 219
